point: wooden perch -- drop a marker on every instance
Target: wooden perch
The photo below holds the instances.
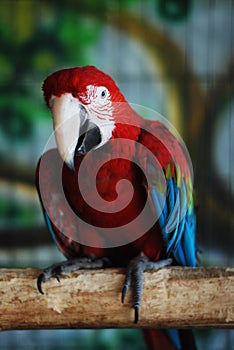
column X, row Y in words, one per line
column 172, row 297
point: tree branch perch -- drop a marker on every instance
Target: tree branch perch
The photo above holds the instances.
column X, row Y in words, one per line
column 172, row 297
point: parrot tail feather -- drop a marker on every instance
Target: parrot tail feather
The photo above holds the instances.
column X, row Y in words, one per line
column 170, row 339
column 157, row 339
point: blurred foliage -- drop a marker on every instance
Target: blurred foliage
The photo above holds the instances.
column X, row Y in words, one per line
column 17, row 213
column 35, row 38
column 31, row 47
column 174, row 10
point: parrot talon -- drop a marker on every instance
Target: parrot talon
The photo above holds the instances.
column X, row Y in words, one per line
column 58, row 278
column 40, row 279
column 69, row 266
column 124, row 291
column 134, row 277
column 136, row 308
column 58, row 273
column 54, row 270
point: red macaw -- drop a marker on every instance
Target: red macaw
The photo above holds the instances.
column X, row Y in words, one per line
column 94, row 214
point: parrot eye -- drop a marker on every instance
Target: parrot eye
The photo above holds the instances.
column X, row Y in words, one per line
column 103, row 94
column 74, row 94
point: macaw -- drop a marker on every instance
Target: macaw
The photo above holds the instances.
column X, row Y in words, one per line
column 117, row 190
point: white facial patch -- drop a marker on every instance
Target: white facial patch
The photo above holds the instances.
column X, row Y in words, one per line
column 100, row 110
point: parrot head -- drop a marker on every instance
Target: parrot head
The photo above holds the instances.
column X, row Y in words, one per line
column 82, row 101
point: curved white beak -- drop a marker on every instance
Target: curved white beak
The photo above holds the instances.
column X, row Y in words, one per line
column 68, row 117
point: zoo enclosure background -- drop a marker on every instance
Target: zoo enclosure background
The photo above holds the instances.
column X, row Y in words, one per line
column 173, row 56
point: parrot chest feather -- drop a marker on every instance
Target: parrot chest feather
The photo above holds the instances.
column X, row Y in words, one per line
column 112, row 196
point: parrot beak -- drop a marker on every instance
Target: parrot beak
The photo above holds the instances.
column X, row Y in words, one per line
column 74, row 133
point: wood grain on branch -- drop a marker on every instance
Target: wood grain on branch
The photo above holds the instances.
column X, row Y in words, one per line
column 172, row 297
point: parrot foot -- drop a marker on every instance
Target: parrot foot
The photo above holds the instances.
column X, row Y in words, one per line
column 68, row 266
column 134, row 277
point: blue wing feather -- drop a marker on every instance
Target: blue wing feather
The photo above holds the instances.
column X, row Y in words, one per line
column 177, row 222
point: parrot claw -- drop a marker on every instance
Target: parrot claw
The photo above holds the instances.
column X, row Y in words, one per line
column 58, row 278
column 46, row 275
column 40, row 279
column 58, row 273
column 68, row 266
column 136, row 309
column 124, row 291
column 134, row 277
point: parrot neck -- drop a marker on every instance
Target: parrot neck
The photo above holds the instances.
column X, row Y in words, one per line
column 127, row 123
column 126, row 131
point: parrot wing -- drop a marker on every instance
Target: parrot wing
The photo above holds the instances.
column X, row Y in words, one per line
column 171, row 199
column 57, row 213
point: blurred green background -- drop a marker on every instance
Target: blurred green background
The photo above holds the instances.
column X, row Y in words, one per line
column 173, row 56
